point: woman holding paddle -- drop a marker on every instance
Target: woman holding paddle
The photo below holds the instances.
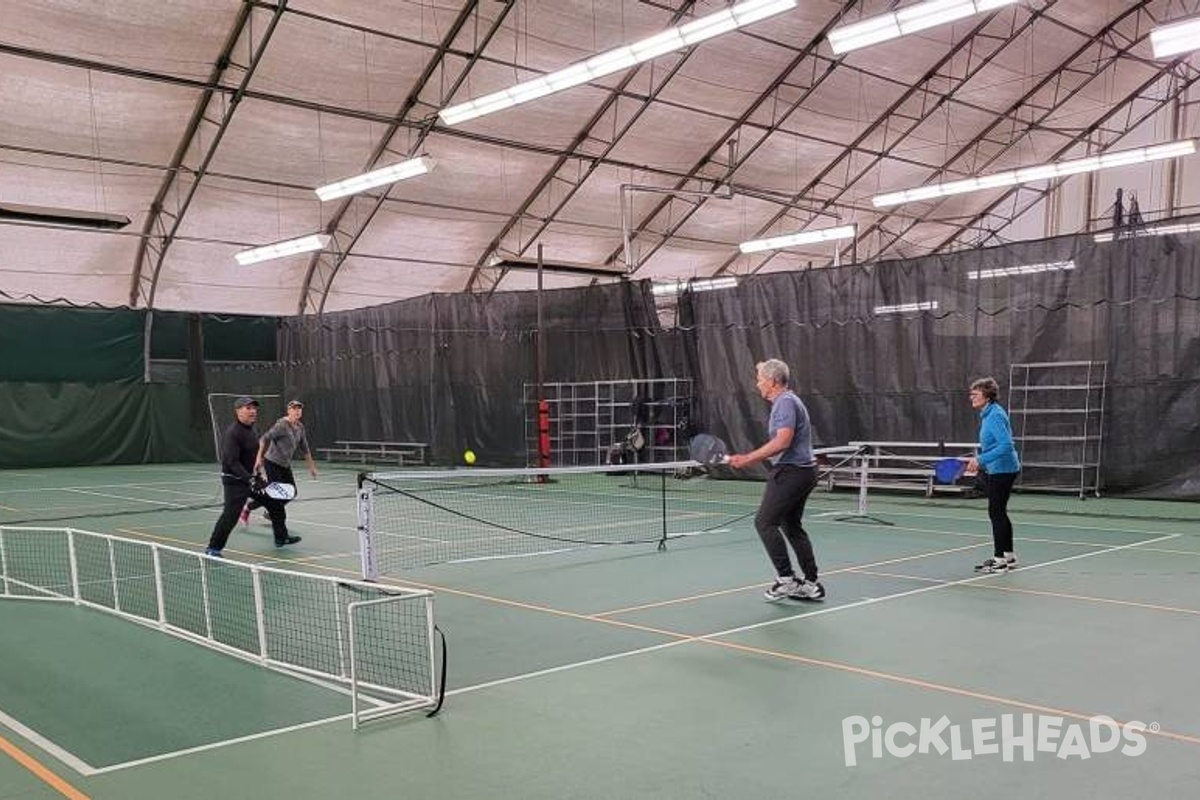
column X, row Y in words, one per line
column 997, row 459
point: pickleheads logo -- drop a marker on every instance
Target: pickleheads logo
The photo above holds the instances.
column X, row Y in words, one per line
column 1004, row 737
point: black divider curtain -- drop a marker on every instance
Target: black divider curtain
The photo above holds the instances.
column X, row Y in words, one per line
column 449, row 370
column 1134, row 303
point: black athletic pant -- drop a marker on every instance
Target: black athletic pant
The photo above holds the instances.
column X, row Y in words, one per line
column 999, row 486
column 236, row 495
column 778, row 519
column 276, row 509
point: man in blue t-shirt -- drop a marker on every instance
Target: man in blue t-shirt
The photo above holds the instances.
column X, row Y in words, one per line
column 790, row 478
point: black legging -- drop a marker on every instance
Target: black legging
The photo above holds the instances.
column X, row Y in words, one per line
column 782, row 507
column 999, row 486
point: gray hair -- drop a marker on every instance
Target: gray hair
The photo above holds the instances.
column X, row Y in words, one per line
column 989, row 387
column 774, row 369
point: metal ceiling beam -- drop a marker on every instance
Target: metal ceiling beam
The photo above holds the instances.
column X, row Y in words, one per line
column 929, row 95
column 384, row 119
column 324, row 267
column 359, row 114
column 790, row 88
column 1098, row 139
column 561, row 173
column 162, row 225
column 1086, row 64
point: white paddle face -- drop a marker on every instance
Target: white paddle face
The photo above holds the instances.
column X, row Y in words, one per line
column 280, row 491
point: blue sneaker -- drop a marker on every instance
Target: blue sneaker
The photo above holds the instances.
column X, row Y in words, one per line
column 213, row 552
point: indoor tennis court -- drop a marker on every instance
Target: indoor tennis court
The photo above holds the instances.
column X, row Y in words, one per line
column 599, row 399
column 563, row 666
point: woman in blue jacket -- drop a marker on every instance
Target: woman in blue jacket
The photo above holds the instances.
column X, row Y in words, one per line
column 999, row 461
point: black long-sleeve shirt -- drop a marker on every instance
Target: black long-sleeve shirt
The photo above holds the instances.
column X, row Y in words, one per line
column 239, row 448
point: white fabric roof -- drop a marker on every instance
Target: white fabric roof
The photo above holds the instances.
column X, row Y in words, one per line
column 105, row 106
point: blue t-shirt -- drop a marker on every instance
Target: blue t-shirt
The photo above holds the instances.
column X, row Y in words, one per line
column 788, row 412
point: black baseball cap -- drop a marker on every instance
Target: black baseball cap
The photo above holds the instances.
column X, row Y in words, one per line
column 242, row 402
column 295, row 404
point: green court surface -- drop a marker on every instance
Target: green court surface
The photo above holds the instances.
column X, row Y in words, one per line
column 625, row 672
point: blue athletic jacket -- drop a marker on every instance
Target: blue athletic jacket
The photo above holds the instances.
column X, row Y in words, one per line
column 997, row 453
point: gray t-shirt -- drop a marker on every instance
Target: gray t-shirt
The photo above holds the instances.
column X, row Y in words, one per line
column 788, row 412
column 285, row 441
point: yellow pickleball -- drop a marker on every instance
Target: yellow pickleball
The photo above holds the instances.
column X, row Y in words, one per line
column 469, row 456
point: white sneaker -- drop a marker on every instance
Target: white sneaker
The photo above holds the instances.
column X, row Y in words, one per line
column 808, row 590
column 998, row 564
column 781, row 589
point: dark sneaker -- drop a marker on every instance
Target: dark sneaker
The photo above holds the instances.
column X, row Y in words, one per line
column 782, row 588
column 214, row 553
column 288, row 540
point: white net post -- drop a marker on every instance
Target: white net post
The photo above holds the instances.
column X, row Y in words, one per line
column 386, row 679
column 366, row 533
column 294, row 622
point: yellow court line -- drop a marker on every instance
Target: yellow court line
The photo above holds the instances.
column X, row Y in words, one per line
column 8, row 508
column 988, row 536
column 41, row 771
column 1089, row 599
column 464, row 593
column 681, row 638
column 937, row 687
column 991, row 587
column 260, row 556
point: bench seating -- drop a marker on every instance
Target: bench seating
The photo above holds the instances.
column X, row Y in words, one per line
column 400, row 453
column 907, row 466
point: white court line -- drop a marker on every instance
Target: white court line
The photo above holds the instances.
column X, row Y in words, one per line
column 711, row 638
column 157, row 485
column 129, row 499
column 217, row 745
column 30, row 735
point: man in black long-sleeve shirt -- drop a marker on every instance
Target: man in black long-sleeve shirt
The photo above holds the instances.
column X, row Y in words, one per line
column 239, row 448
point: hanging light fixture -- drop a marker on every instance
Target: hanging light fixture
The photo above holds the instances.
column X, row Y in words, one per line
column 803, row 237
column 618, row 59
column 289, row 247
column 906, row 20
column 1060, row 169
column 379, row 177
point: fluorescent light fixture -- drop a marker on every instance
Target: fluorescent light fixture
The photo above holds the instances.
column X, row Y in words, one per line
column 618, row 59
column 377, row 177
column 1118, row 158
column 44, row 215
column 905, row 308
column 793, row 239
column 1170, row 229
column 679, row 287
column 290, row 247
column 1024, row 269
column 1176, row 38
column 907, row 20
